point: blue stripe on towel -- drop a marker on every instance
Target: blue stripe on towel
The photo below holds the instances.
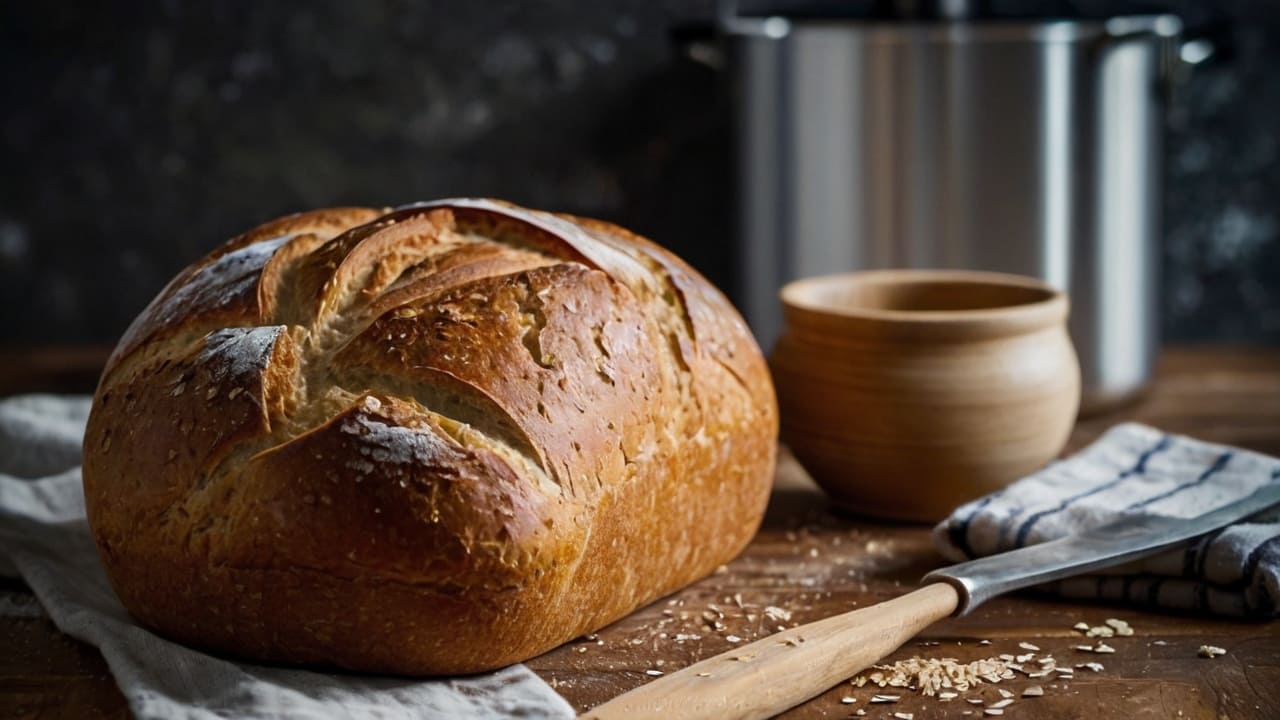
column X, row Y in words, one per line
column 1153, row 591
column 1255, row 558
column 959, row 531
column 1139, row 468
column 1267, row 603
column 1212, row 470
column 1198, row 552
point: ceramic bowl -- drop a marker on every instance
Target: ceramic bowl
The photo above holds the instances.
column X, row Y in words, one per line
column 908, row 392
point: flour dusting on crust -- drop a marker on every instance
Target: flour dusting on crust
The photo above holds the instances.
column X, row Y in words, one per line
column 218, row 284
column 236, row 352
column 393, row 444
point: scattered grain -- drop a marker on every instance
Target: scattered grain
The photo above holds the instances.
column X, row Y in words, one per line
column 776, row 613
column 930, row 675
column 1121, row 627
column 1033, row 691
column 653, row 673
column 1029, row 646
column 1211, row 651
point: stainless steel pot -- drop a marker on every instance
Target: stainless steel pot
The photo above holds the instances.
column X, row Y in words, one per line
column 1015, row 146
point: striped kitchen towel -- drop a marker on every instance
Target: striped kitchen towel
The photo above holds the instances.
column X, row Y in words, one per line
column 1135, row 470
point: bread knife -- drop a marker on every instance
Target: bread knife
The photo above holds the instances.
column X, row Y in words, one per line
column 781, row 671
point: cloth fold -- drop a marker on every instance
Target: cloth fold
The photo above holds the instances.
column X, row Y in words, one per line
column 45, row 539
column 1133, row 471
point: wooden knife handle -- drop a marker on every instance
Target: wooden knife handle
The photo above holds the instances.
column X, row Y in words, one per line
column 783, row 670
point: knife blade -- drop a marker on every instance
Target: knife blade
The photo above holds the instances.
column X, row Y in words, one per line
column 780, row 671
column 1115, row 543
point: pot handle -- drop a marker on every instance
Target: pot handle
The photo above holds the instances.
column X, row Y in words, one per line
column 1188, row 46
column 703, row 42
column 700, row 42
column 1182, row 49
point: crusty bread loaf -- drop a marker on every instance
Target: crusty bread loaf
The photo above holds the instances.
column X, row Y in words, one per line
column 436, row 440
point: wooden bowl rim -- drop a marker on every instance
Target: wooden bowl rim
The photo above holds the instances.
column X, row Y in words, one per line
column 801, row 297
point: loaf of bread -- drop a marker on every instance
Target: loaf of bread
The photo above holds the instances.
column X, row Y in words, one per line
column 436, row 440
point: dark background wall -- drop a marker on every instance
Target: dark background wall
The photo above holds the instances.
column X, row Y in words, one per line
column 135, row 136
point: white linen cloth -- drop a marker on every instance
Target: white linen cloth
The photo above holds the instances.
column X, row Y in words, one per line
column 1131, row 471
column 45, row 540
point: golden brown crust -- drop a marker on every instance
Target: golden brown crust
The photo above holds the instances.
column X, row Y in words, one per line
column 437, row 440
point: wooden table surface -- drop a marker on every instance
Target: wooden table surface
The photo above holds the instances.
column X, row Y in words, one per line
column 809, row 563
